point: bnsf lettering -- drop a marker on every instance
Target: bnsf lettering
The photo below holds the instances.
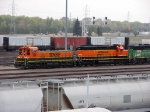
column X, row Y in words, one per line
column 54, row 54
column 102, row 51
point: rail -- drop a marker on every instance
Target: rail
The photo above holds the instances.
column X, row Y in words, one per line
column 66, row 73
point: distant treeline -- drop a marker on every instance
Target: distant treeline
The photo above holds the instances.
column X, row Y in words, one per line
column 32, row 25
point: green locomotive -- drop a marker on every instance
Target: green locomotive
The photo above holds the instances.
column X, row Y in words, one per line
column 138, row 53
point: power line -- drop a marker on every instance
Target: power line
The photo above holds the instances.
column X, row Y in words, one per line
column 84, row 21
column 128, row 20
column 13, row 25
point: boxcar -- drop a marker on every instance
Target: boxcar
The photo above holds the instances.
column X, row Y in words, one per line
column 97, row 40
column 58, row 43
column 1, row 42
column 14, row 43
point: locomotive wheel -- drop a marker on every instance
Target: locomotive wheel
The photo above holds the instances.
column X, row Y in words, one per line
column 71, row 64
column 114, row 63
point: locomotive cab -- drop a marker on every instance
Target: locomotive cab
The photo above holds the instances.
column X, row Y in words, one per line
column 121, row 51
column 27, row 52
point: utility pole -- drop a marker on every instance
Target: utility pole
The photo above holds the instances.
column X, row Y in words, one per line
column 66, row 27
column 87, row 97
column 149, row 25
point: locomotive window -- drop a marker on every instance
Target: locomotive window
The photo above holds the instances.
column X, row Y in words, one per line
column 20, row 51
column 24, row 50
column 28, row 51
column 34, row 50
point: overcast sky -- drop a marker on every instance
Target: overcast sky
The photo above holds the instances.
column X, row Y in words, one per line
column 116, row 10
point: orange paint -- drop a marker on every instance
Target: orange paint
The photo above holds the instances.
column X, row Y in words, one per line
column 119, row 51
column 33, row 52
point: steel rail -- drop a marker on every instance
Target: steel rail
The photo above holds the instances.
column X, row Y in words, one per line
column 72, row 73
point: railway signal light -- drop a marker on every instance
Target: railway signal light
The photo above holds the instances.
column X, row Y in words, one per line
column 105, row 20
column 93, row 20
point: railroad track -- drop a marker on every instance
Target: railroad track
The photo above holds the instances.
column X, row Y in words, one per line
column 7, row 61
column 85, row 68
column 66, row 73
column 8, row 53
column 7, row 57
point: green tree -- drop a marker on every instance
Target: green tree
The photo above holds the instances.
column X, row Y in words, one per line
column 89, row 32
column 3, row 26
column 99, row 31
column 77, row 29
column 26, row 25
column 135, row 33
column 136, row 25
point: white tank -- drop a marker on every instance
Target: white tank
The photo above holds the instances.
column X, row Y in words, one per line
column 113, row 96
column 20, row 99
column 85, row 110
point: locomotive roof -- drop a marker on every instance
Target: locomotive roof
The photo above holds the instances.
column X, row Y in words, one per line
column 97, row 47
column 139, row 47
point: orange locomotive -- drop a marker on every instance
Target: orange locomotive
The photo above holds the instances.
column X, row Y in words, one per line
column 102, row 54
column 31, row 57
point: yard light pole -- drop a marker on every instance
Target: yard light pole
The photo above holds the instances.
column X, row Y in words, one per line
column 66, row 27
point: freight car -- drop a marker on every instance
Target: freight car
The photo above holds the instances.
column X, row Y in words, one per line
column 43, row 43
column 106, row 40
column 1, row 43
column 57, row 43
column 14, row 43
